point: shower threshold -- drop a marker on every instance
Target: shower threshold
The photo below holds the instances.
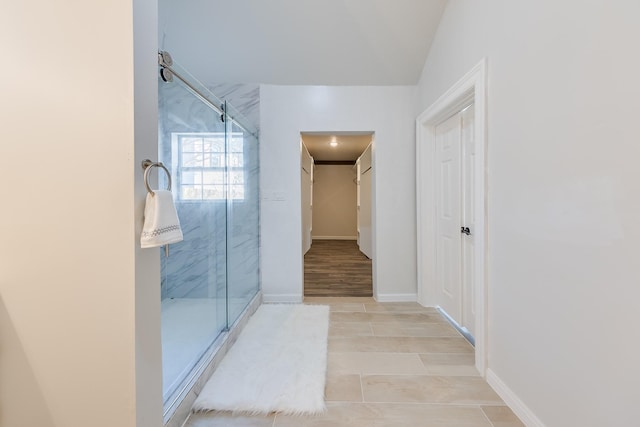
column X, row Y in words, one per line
column 192, row 354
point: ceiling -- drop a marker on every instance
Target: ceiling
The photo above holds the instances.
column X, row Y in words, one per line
column 350, row 145
column 305, row 42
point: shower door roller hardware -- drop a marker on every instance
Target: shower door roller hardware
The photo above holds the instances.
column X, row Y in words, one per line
column 465, row 230
column 165, row 61
column 166, row 75
column 164, row 58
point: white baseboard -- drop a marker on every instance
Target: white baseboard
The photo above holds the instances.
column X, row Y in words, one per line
column 518, row 407
column 334, row 237
column 396, row 297
column 284, row 298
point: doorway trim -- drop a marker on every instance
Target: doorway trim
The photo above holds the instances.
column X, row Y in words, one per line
column 374, row 281
column 470, row 88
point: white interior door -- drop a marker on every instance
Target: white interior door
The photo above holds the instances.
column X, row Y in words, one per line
column 468, row 220
column 365, row 202
column 365, row 240
column 358, row 201
column 306, row 183
column 448, row 214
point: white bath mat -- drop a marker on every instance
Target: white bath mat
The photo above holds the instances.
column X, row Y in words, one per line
column 278, row 364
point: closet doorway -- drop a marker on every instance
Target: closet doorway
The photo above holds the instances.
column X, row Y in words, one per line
column 336, row 180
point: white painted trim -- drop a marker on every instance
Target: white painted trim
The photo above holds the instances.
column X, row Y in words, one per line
column 334, row 237
column 471, row 87
column 396, row 297
column 518, row 407
column 374, row 215
column 283, row 298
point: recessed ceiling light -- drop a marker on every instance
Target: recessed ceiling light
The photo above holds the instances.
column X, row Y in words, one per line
column 333, row 143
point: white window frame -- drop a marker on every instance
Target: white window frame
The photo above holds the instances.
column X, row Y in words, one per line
column 180, row 169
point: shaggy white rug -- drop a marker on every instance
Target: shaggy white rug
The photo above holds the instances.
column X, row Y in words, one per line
column 278, row 364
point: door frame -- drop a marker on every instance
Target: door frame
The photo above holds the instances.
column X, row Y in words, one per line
column 470, row 88
column 374, row 256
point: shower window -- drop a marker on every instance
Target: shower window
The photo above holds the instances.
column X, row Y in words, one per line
column 203, row 162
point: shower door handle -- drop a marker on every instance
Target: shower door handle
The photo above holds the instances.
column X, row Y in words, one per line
column 166, row 251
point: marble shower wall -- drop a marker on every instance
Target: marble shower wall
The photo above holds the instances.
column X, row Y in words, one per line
column 221, row 238
column 245, row 98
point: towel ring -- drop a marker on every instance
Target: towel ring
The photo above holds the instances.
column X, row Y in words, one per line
column 148, row 165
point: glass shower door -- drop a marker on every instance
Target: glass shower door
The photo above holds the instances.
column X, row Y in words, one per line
column 243, row 244
column 192, row 144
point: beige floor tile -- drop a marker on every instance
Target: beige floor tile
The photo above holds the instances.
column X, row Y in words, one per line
column 502, row 416
column 405, row 361
column 389, row 415
column 225, row 419
column 428, row 389
column 350, row 329
column 369, row 363
column 345, row 388
column 391, row 318
column 395, row 307
column 400, row 344
column 454, row 364
column 405, row 329
column 336, row 304
column 346, row 306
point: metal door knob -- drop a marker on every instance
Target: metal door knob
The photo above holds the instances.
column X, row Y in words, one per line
column 465, row 230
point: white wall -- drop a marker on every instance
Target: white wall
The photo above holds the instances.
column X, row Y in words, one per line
column 334, row 202
column 148, row 347
column 563, row 186
column 79, row 338
column 285, row 111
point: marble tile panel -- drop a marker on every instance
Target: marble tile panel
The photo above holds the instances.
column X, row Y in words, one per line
column 196, row 267
column 244, row 98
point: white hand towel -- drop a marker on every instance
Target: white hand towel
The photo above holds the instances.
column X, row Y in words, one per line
column 161, row 224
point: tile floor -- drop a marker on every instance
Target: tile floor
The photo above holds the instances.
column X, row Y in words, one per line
column 391, row 365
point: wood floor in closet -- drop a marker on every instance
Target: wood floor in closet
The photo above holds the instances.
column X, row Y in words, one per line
column 337, row 268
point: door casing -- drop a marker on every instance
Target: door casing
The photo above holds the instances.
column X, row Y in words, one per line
column 471, row 88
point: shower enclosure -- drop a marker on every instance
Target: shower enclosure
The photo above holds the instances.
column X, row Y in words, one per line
column 210, row 277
